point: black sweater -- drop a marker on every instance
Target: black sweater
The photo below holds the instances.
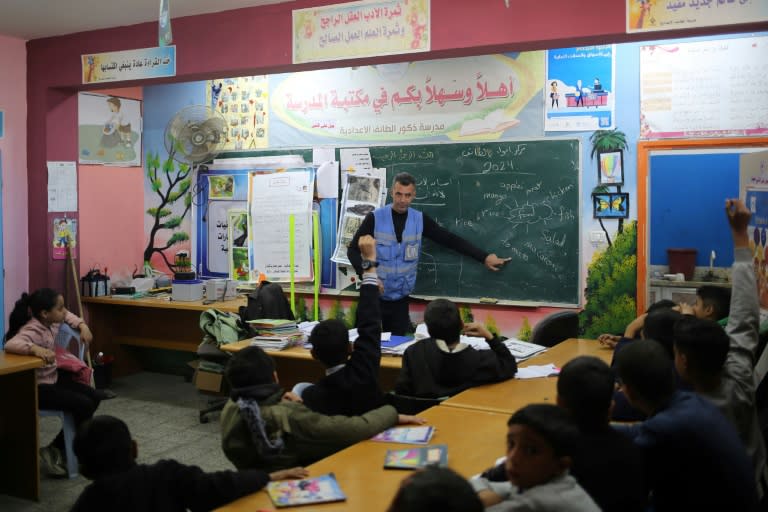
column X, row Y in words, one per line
column 354, row 389
column 168, row 486
column 429, row 372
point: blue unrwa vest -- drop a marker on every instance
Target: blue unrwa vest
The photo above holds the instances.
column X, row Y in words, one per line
column 397, row 261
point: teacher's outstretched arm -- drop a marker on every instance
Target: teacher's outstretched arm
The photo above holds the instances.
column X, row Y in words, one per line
column 493, row 262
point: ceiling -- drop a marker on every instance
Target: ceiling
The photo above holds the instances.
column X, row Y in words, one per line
column 34, row 19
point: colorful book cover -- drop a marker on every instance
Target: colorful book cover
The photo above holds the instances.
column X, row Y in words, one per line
column 409, row 435
column 319, row 489
column 414, row 458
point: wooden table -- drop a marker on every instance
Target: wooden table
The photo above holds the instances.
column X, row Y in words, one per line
column 19, row 460
column 118, row 324
column 508, row 396
column 475, row 440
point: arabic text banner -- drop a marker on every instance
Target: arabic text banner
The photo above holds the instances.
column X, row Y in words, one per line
column 649, row 15
column 129, row 65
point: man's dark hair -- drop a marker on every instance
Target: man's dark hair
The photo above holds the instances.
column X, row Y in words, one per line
column 249, row 367
column 435, row 488
column 443, row 320
column 103, row 447
column 645, row 366
column 404, row 179
column 330, row 342
column 704, row 343
column 551, row 422
column 585, row 387
column 716, row 297
column 659, row 326
column 661, row 304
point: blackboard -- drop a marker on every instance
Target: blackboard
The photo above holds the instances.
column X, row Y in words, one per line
column 513, row 198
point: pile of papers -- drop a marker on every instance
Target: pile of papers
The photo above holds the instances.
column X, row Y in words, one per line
column 276, row 334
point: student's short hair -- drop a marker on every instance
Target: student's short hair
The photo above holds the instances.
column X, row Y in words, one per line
column 435, row 488
column 103, row 447
column 249, row 367
column 659, row 326
column 551, row 422
column 443, row 320
column 585, row 386
column 704, row 343
column 645, row 366
column 404, row 179
column 330, row 342
column 716, row 297
column 661, row 304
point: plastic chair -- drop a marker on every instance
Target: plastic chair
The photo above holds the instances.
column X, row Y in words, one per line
column 406, row 404
column 64, row 339
column 555, row 328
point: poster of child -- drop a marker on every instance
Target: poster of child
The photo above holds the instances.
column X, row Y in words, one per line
column 109, row 130
column 64, row 235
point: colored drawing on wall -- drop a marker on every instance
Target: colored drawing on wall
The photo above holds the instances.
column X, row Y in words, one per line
column 757, row 202
column 612, row 205
column 360, row 29
column 243, row 102
column 64, row 235
column 579, row 91
column 109, row 130
column 610, row 167
column 649, row 15
column 238, row 237
column 463, row 99
column 221, row 187
column 704, row 89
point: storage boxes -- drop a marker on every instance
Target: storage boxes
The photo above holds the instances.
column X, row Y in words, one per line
column 205, row 380
column 187, row 291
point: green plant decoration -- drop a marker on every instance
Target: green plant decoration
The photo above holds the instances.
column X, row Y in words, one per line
column 465, row 312
column 170, row 183
column 490, row 324
column 611, row 287
column 350, row 316
column 524, row 334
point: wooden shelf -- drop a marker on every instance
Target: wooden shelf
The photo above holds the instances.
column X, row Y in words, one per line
column 182, row 346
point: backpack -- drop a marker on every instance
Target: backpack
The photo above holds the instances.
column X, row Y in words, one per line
column 266, row 301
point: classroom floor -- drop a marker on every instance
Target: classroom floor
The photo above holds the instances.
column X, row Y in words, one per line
column 162, row 414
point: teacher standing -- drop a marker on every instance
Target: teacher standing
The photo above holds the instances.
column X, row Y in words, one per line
column 398, row 230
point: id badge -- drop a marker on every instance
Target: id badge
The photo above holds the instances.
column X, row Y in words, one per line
column 411, row 251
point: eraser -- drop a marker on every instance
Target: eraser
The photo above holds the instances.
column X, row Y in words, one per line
column 488, row 300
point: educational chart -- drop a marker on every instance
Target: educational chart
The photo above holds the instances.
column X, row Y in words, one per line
column 704, row 89
column 579, row 91
column 513, row 198
column 243, row 102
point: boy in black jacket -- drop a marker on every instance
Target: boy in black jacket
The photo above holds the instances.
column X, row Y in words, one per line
column 107, row 455
column 441, row 366
column 351, row 383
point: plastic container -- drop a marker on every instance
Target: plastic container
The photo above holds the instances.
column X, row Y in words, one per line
column 682, row 261
column 187, row 291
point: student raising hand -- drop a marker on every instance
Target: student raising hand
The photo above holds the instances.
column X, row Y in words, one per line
column 738, row 217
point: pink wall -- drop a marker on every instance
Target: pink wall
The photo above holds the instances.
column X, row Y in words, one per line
column 13, row 147
column 111, row 204
column 262, row 44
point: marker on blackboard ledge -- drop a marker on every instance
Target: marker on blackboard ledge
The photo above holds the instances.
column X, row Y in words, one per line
column 488, row 300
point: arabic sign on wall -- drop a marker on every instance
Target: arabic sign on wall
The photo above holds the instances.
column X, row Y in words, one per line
column 649, row 15
column 579, row 92
column 360, row 29
column 704, row 89
column 129, row 65
column 471, row 98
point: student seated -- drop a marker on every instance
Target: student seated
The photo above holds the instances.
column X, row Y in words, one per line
column 262, row 428
column 605, row 463
column 719, row 363
column 712, row 303
column 694, row 457
column 435, row 488
column 441, row 366
column 107, row 455
column 351, row 382
column 540, row 442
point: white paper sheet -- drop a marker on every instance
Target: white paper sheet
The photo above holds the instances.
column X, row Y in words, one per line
column 62, row 186
column 357, row 159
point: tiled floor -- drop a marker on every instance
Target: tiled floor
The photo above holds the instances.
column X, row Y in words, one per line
column 162, row 414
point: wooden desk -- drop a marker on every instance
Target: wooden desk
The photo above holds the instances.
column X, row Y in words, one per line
column 475, row 440
column 160, row 323
column 19, row 459
column 509, row 396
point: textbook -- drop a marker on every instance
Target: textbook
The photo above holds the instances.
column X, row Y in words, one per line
column 318, row 489
column 407, row 435
column 419, row 457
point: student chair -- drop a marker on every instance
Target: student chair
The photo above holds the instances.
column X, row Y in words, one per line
column 411, row 404
column 555, row 328
column 64, row 339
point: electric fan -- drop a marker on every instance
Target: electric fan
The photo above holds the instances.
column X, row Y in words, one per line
column 195, row 134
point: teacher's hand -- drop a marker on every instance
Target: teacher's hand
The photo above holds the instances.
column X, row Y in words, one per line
column 493, row 262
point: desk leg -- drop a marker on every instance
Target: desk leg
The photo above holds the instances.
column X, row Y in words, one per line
column 19, row 459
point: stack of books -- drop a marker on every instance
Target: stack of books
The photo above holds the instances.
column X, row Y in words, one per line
column 276, row 334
